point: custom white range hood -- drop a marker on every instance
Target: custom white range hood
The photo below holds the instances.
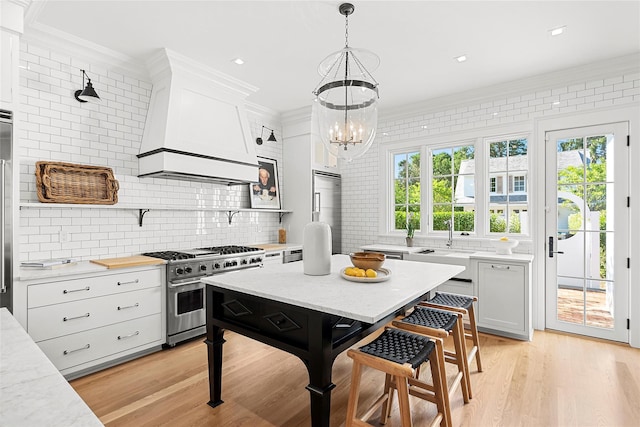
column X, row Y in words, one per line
column 196, row 127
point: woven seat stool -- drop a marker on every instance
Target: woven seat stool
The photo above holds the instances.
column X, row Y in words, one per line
column 399, row 354
column 441, row 324
column 462, row 304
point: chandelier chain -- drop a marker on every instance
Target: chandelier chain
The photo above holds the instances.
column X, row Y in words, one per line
column 346, row 31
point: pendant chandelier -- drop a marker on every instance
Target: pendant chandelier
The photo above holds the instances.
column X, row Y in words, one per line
column 345, row 111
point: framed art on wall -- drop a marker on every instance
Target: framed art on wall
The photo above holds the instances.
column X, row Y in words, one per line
column 265, row 192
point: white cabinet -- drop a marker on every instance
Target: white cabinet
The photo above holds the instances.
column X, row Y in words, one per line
column 84, row 324
column 322, row 159
column 301, row 155
column 504, row 298
column 9, row 45
column 11, row 27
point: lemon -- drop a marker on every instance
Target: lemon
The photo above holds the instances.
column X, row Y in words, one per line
column 504, row 239
column 349, row 271
column 360, row 273
column 371, row 273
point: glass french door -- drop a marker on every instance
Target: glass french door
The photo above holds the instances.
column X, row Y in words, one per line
column 587, row 223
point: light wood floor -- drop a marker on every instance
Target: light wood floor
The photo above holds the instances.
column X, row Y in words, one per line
column 555, row 380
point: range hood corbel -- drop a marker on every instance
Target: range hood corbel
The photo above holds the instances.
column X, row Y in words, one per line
column 196, row 127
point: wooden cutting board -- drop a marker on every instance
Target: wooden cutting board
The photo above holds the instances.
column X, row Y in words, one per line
column 270, row 247
column 128, row 261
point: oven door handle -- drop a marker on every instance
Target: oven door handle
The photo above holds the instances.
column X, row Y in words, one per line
column 178, row 285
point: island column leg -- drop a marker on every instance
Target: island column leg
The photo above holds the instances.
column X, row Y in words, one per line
column 319, row 365
column 214, row 341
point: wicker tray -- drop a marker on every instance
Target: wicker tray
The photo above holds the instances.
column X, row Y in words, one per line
column 70, row 183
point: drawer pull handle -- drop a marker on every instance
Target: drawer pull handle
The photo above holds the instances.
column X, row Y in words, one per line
column 129, row 306
column 77, row 349
column 500, row 267
column 66, row 291
column 131, row 282
column 121, row 337
column 64, row 319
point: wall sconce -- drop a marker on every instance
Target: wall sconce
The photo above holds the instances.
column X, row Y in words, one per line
column 88, row 93
column 272, row 137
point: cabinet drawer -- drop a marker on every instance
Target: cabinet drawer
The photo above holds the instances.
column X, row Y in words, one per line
column 77, row 289
column 76, row 349
column 63, row 319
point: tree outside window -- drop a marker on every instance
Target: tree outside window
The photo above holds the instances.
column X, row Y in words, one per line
column 407, row 189
column 453, row 188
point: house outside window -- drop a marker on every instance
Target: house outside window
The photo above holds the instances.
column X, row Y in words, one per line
column 519, row 184
column 508, row 213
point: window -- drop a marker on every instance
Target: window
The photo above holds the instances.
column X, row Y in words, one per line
column 406, row 189
column 493, row 185
column 508, row 159
column 453, row 187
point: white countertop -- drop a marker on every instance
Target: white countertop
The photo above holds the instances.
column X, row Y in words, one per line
column 486, row 255
column 367, row 302
column 81, row 267
column 32, row 391
column 392, row 248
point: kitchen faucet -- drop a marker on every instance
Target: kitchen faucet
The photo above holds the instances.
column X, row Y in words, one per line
column 449, row 224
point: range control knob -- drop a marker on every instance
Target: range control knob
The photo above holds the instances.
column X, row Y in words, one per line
column 188, row 269
column 203, row 268
column 216, row 265
column 244, row 261
column 179, row 271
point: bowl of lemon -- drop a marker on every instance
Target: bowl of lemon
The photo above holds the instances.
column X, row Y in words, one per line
column 367, row 267
column 504, row 245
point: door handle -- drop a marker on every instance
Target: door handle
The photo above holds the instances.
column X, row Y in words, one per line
column 551, row 251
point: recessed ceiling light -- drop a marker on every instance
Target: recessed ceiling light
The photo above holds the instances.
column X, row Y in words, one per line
column 238, row 61
column 461, row 58
column 557, row 31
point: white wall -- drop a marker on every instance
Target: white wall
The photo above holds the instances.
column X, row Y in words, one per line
column 468, row 114
column 57, row 127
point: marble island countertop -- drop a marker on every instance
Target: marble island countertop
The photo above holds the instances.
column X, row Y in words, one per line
column 32, row 391
column 366, row 302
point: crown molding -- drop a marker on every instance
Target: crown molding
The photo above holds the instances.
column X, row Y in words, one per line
column 59, row 41
column 263, row 112
column 565, row 77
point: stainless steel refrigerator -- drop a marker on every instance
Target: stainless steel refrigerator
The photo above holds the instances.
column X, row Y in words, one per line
column 327, row 205
column 6, row 209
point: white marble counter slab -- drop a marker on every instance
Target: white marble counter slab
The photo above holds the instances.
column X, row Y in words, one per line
column 32, row 391
column 366, row 302
column 392, row 248
column 82, row 267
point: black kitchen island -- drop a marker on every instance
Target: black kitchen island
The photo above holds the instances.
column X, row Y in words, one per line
column 313, row 317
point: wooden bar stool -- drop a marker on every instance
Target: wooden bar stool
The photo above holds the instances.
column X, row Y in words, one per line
column 398, row 354
column 462, row 304
column 442, row 323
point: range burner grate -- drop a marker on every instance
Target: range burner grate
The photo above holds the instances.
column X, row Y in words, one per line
column 170, row 255
column 230, row 249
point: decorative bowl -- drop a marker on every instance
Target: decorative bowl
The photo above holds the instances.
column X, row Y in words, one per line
column 365, row 260
column 503, row 247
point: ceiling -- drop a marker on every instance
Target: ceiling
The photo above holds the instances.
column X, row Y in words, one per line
column 282, row 42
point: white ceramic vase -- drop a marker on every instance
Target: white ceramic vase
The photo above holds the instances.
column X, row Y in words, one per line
column 316, row 249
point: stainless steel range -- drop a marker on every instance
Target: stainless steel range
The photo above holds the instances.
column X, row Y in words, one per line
column 185, row 291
